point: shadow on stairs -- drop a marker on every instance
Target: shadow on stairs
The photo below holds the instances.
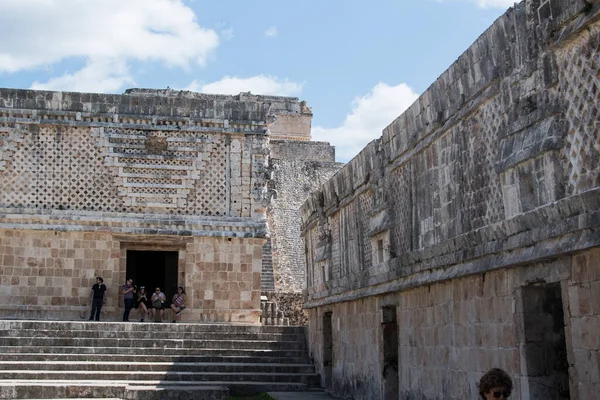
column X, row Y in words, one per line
column 148, row 361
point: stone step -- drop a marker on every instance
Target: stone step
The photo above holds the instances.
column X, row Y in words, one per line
column 154, row 392
column 32, row 389
column 144, row 361
column 164, row 343
column 311, row 379
column 150, row 358
column 147, row 366
column 183, row 351
column 133, row 392
column 146, row 327
column 73, row 389
column 106, row 334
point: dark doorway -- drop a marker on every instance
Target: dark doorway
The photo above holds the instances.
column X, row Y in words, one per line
column 390, row 353
column 328, row 350
column 545, row 345
column 153, row 269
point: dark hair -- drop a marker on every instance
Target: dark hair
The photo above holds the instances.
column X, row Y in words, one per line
column 100, row 279
column 495, row 378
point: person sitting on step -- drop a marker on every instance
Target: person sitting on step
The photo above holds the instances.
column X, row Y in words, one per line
column 158, row 305
column 142, row 299
column 178, row 303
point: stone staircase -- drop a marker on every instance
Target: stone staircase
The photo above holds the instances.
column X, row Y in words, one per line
column 267, row 278
column 148, row 361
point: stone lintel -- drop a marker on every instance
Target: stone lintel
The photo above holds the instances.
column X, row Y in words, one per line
column 129, row 223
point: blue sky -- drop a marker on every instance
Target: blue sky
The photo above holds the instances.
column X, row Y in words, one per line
column 358, row 64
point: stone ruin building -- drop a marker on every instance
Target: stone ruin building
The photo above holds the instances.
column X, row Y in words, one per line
column 166, row 187
column 468, row 235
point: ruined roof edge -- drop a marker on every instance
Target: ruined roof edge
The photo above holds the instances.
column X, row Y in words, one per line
column 156, row 102
column 188, row 94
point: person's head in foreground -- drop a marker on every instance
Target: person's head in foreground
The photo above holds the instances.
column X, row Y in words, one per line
column 495, row 384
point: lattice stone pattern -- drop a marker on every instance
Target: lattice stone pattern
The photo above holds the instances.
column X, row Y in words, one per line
column 118, row 170
column 579, row 70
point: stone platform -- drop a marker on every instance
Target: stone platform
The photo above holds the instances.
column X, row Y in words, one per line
column 148, row 361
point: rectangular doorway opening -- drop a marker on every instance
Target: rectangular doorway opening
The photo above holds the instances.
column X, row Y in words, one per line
column 390, row 353
column 545, row 344
column 328, row 350
column 153, row 269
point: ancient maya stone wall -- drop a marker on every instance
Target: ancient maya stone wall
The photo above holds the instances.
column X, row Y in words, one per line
column 87, row 177
column 468, row 236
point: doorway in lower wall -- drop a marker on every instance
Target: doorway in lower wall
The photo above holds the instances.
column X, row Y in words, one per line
column 153, row 269
column 328, row 350
column 544, row 347
column 389, row 328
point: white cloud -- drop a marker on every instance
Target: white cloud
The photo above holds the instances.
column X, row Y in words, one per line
column 271, row 32
column 492, row 3
column 370, row 114
column 260, row 84
column 38, row 33
column 96, row 76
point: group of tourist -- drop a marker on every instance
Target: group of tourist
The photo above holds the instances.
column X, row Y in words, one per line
column 147, row 305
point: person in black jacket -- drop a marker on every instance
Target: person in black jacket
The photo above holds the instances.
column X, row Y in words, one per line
column 98, row 290
column 141, row 302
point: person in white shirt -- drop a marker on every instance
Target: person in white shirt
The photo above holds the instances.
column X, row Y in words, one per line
column 158, row 305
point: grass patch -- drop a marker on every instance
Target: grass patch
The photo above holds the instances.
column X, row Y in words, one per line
column 259, row 396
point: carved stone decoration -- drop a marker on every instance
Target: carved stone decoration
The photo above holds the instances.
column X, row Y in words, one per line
column 156, row 144
column 161, row 169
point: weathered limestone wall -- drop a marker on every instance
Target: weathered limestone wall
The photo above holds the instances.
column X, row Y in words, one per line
column 298, row 169
column 292, row 126
column 152, row 106
column 302, row 151
column 356, row 347
column 225, row 276
column 451, row 333
column 493, row 169
column 49, row 274
column 583, row 323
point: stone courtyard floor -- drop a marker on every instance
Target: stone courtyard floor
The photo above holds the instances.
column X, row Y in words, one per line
column 301, row 396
